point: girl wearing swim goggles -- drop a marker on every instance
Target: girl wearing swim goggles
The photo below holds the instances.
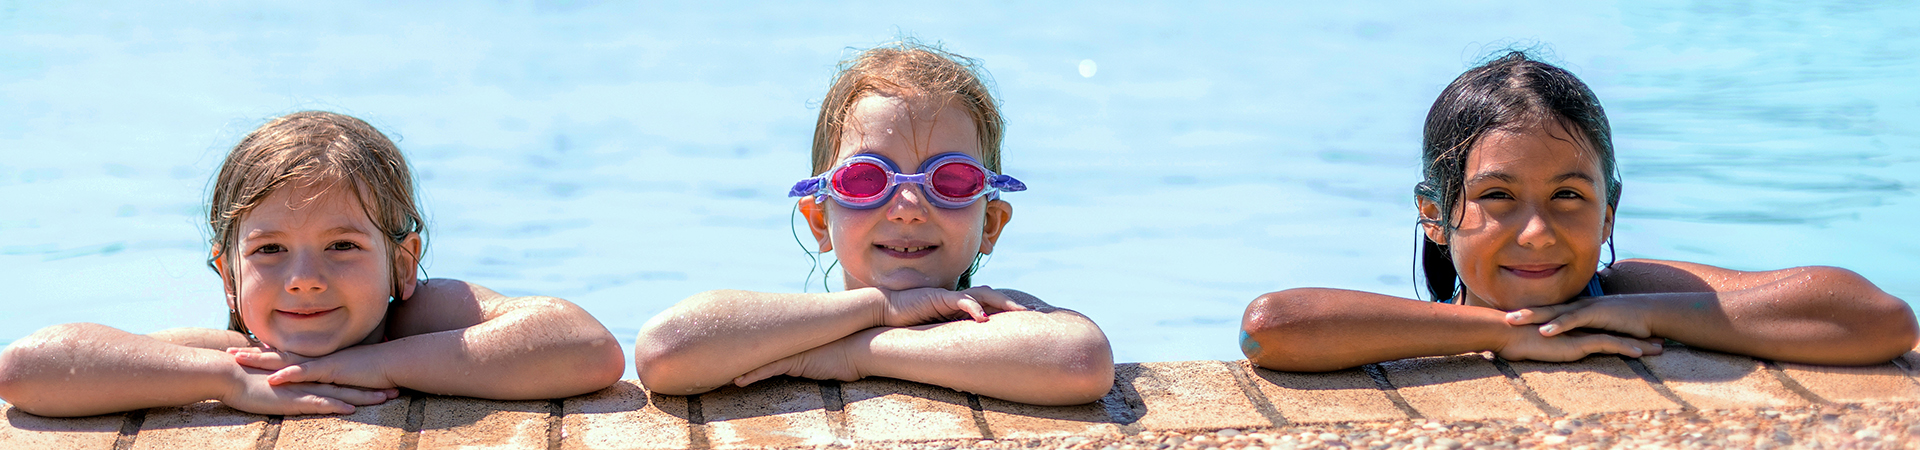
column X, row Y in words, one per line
column 866, row 181
column 906, row 256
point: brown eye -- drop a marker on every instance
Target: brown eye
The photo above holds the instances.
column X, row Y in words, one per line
column 269, row 248
column 1568, row 193
column 343, row 245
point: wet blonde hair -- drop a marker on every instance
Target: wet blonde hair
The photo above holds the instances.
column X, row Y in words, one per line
column 908, row 68
column 313, row 148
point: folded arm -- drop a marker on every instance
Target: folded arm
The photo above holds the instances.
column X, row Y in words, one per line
column 1817, row 315
column 85, row 369
column 1318, row 330
column 455, row 338
column 1044, row 356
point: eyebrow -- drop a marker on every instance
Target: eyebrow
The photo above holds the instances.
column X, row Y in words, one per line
column 1503, row 176
column 335, row 231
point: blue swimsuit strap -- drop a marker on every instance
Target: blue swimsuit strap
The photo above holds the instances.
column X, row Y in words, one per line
column 1593, row 287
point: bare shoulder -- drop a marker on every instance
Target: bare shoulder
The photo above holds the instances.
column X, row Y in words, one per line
column 1647, row 276
column 206, row 338
column 440, row 304
column 1029, row 301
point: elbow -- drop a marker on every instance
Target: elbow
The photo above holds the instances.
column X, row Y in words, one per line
column 1084, row 373
column 1274, row 328
column 1885, row 322
column 24, row 364
column 658, row 364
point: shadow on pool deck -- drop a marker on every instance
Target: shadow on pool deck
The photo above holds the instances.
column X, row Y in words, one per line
column 1192, row 395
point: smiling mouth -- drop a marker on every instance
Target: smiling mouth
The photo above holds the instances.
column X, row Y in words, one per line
column 305, row 315
column 1534, row 271
column 906, row 252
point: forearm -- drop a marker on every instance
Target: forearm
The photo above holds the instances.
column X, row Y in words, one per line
column 87, row 369
column 1318, row 330
column 1054, row 358
column 543, row 348
column 708, row 340
column 1820, row 316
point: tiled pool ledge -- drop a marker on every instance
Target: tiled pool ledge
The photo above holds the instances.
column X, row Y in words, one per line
column 1192, row 395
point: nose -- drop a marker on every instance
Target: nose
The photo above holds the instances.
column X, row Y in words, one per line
column 307, row 275
column 908, row 205
column 1537, row 232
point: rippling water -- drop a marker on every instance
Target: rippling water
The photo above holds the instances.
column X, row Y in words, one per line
column 627, row 156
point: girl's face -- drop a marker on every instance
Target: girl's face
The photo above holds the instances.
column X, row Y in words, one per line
column 906, row 242
column 1532, row 215
column 312, row 270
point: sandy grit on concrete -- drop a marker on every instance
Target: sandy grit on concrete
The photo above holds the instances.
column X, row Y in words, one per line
column 1682, row 399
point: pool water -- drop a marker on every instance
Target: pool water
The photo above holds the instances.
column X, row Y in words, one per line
column 1183, row 158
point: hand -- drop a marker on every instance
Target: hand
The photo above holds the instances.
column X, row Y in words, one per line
column 1525, row 343
column 252, row 392
column 1611, row 313
column 826, row 362
column 930, row 305
column 344, row 367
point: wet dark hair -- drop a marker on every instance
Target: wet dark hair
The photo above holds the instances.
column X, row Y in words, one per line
column 1510, row 93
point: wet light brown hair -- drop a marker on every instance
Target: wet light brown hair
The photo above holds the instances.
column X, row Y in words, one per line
column 907, row 68
column 915, row 71
column 313, row 148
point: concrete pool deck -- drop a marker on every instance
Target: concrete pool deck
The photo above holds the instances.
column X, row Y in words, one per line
column 1150, row 403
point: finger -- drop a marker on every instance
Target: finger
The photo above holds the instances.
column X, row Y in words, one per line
column 260, row 360
column 992, row 298
column 299, row 373
column 764, row 372
column 972, row 307
column 1568, row 320
column 1603, row 343
column 1535, row 315
column 350, row 395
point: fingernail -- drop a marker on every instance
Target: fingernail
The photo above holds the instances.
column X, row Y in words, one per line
column 1548, row 328
column 1513, row 315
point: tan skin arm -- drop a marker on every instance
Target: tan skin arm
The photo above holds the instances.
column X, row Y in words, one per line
column 1815, row 315
column 85, row 369
column 1045, row 356
column 456, row 338
column 1319, row 330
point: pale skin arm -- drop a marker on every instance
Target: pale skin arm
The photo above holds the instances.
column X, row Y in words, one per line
column 455, row 338
column 1815, row 315
column 712, row 338
column 1318, row 330
column 1044, row 356
column 86, row 369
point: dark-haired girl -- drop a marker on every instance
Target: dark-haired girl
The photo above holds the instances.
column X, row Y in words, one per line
column 1519, row 197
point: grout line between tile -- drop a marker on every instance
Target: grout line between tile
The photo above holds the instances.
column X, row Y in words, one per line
column 834, row 397
column 1379, row 376
column 1646, row 374
column 270, row 434
column 1260, row 402
column 1130, row 408
column 416, row 415
column 696, row 425
column 1520, row 384
column 130, row 429
column 556, row 411
column 979, row 416
column 1791, row 384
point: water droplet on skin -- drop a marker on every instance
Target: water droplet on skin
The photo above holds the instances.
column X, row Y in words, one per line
column 889, row 131
column 1088, row 68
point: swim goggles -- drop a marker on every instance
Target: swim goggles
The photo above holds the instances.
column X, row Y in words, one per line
column 866, row 181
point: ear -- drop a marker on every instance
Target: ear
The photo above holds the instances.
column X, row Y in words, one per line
column 816, row 213
column 226, row 279
column 1430, row 221
column 999, row 212
column 406, row 265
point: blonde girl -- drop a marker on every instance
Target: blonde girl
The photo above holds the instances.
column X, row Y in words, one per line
column 317, row 238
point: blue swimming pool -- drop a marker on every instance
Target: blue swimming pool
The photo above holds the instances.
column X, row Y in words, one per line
column 1183, row 159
